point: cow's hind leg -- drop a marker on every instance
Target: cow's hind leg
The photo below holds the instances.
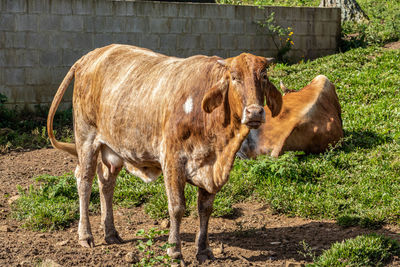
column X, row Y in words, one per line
column 204, row 205
column 107, row 180
column 84, row 173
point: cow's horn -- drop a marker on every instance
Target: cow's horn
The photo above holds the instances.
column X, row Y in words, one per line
column 222, row 62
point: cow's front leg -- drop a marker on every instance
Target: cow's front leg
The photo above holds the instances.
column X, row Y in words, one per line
column 176, row 208
column 204, row 206
column 106, row 186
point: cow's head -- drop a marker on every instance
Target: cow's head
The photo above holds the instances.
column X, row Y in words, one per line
column 245, row 83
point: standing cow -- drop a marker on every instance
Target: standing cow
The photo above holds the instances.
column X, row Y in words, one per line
column 151, row 113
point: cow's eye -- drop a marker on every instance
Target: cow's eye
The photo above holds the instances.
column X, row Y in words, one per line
column 264, row 76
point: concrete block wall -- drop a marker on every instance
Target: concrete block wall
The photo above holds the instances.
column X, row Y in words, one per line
column 41, row 39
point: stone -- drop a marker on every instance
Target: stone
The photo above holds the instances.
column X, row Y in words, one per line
column 165, row 224
column 12, row 199
column 5, row 228
column 50, row 263
column 131, row 257
column 219, row 250
column 62, row 243
column 294, row 264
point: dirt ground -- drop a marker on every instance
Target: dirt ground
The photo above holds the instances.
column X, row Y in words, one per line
column 255, row 237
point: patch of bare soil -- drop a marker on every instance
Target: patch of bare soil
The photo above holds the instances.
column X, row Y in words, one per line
column 255, row 237
column 393, row 45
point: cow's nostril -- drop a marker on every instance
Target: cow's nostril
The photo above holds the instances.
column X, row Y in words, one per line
column 248, row 111
column 261, row 111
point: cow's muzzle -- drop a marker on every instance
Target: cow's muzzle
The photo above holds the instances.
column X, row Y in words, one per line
column 253, row 116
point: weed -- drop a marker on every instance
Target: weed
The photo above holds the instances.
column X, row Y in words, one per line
column 281, row 37
column 148, row 249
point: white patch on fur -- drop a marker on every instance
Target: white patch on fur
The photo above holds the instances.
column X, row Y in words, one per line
column 188, row 106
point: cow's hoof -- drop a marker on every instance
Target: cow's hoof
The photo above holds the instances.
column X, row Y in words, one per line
column 114, row 239
column 175, row 255
column 87, row 242
column 204, row 255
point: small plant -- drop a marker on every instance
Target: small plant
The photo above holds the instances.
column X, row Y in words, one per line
column 281, row 37
column 307, row 251
column 147, row 249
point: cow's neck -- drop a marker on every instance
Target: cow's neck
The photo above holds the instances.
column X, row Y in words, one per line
column 228, row 143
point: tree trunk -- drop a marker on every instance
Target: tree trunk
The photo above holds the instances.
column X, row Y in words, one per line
column 351, row 10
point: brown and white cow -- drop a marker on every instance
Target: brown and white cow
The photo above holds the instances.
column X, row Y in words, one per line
column 150, row 113
column 310, row 121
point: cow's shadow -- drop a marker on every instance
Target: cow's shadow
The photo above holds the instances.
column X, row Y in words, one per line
column 282, row 243
column 363, row 139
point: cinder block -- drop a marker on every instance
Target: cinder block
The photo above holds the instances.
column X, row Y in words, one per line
column 103, row 8
column 72, row 23
column 244, row 13
column 26, row 57
column 244, row 42
column 219, row 26
column 159, row 25
column 99, row 24
column 332, row 28
column 189, row 11
column 71, row 40
column 219, row 52
column 49, row 22
column 168, row 41
column 38, row 76
column 137, row 24
column 80, row 7
column 115, row 24
column 17, row 6
column 189, row 41
column 56, row 79
column 210, row 41
column 178, row 25
column 304, row 28
column 264, row 42
column 169, row 10
column 70, row 56
column 7, row 22
column 38, row 6
column 200, row 26
column 102, row 39
column 51, row 57
column 15, row 40
column 61, row 7
column 2, row 60
column 130, row 8
column 235, row 26
column 120, row 38
column 228, row 41
column 150, row 41
column 133, row 38
column 37, row 40
column 15, row 76
column 88, row 23
column 217, row 11
column 120, row 8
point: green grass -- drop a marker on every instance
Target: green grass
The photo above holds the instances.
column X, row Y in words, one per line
column 26, row 129
column 363, row 251
column 357, row 183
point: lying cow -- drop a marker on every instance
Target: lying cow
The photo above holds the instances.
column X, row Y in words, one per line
column 152, row 113
column 310, row 121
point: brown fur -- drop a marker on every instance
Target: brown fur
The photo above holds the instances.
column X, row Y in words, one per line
column 310, row 121
column 150, row 113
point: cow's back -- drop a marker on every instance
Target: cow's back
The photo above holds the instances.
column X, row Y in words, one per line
column 130, row 93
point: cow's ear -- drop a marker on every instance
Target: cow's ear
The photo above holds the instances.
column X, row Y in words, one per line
column 213, row 98
column 274, row 99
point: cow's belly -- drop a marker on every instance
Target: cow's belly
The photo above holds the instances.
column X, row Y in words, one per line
column 142, row 164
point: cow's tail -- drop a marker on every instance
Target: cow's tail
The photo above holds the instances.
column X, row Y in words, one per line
column 68, row 147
